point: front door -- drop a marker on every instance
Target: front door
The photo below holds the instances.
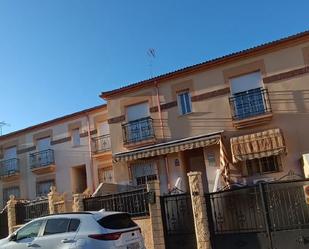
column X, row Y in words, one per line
column 196, row 162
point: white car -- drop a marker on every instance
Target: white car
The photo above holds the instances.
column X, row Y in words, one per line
column 83, row 230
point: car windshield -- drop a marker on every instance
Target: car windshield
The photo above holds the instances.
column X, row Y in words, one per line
column 29, row 231
column 117, row 221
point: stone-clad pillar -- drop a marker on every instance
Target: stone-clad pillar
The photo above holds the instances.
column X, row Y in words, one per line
column 156, row 216
column 11, row 213
column 78, row 203
column 52, row 199
column 199, row 210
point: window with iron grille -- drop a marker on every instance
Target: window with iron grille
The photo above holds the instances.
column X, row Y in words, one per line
column 144, row 172
column 138, row 130
column 106, row 175
column 263, row 165
column 249, row 98
column 140, row 125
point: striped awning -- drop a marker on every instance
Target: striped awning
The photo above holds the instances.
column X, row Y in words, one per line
column 169, row 147
column 257, row 145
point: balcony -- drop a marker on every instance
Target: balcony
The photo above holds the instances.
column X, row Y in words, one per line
column 250, row 108
column 9, row 169
column 42, row 162
column 138, row 132
column 101, row 144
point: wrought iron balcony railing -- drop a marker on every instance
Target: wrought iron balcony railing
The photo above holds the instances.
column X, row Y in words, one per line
column 42, row 159
column 101, row 143
column 138, row 130
column 9, row 167
column 250, row 103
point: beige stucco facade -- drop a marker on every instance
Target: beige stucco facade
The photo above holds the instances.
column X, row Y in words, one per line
column 75, row 167
column 285, row 74
column 284, row 71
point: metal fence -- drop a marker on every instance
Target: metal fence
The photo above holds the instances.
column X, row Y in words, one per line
column 178, row 221
column 250, row 103
column 27, row 211
column 286, row 205
column 42, row 158
column 269, row 215
column 133, row 202
column 101, row 143
column 9, row 167
column 138, row 130
column 237, row 210
column 3, row 224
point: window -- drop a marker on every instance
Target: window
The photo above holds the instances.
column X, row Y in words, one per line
column 103, row 129
column 106, row 175
column 103, row 142
column 10, row 153
column 143, row 173
column 139, row 111
column 117, row 221
column 43, row 188
column 43, row 144
column 54, row 226
column 10, row 163
column 248, row 96
column 75, row 137
column 139, row 126
column 29, row 231
column 184, row 103
column 263, row 165
column 74, row 225
column 7, row 192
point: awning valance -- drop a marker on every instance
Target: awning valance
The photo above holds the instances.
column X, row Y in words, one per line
column 169, row 147
column 257, row 145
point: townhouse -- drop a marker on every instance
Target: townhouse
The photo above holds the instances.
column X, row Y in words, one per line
column 71, row 152
column 239, row 119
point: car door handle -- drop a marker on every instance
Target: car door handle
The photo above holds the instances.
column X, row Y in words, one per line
column 67, row 241
column 33, row 245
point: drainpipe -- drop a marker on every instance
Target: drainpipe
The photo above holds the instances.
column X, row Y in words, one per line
column 159, row 109
column 90, row 151
column 167, row 173
column 162, row 130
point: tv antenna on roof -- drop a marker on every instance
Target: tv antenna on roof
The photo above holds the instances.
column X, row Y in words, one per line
column 152, row 55
column 2, row 123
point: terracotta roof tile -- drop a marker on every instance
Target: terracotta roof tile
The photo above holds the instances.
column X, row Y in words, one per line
column 212, row 62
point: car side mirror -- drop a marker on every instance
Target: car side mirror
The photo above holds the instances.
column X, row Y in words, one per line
column 13, row 237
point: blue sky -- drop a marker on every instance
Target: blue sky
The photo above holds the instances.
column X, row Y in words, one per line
column 56, row 56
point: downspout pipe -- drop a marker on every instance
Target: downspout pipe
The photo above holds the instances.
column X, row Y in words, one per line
column 90, row 151
column 162, row 132
column 159, row 109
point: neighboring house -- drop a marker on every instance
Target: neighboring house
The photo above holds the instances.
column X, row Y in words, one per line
column 242, row 118
column 59, row 152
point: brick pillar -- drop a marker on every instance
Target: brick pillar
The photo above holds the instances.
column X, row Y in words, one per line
column 199, row 210
column 11, row 213
column 52, row 198
column 78, row 204
column 156, row 216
